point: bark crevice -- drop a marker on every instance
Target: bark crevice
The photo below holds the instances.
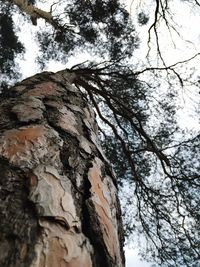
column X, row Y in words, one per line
column 17, row 215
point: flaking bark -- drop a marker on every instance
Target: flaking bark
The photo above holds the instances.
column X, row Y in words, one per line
column 59, row 204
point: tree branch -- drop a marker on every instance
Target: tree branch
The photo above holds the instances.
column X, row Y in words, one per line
column 34, row 12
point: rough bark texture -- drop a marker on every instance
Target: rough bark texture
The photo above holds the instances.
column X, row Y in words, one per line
column 58, row 196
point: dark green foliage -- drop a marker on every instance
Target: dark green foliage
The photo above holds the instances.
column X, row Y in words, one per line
column 31, row 2
column 116, row 156
column 102, row 28
column 142, row 18
column 107, row 20
column 10, row 47
column 58, row 46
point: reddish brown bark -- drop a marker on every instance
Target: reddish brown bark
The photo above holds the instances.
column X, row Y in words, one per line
column 59, row 204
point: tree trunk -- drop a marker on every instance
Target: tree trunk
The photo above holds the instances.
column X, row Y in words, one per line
column 58, row 196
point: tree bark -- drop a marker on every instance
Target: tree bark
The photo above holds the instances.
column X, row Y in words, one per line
column 58, row 194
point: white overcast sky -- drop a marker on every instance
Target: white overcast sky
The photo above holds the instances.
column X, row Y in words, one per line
column 190, row 19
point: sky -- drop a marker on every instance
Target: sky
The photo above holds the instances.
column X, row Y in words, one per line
column 172, row 53
column 133, row 259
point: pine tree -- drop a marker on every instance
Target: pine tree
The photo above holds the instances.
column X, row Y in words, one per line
column 59, row 204
column 49, row 148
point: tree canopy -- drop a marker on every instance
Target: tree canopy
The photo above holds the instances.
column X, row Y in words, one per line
column 136, row 103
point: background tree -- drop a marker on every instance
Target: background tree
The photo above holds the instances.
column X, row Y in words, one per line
column 138, row 111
